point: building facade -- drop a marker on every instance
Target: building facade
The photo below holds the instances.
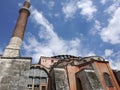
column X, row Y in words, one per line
column 62, row 72
column 66, row 72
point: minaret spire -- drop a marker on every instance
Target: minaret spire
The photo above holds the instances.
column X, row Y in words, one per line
column 13, row 48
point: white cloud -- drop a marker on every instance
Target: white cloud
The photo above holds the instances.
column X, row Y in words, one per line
column 91, row 54
column 96, row 29
column 97, row 25
column 52, row 44
column 108, row 52
column 114, row 60
column 87, row 8
column 111, row 33
column 51, row 4
column 49, row 43
column 103, row 1
column 112, row 8
column 115, row 64
column 69, row 9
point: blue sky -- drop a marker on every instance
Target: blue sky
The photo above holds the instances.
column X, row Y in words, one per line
column 76, row 27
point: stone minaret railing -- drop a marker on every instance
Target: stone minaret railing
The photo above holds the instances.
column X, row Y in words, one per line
column 13, row 48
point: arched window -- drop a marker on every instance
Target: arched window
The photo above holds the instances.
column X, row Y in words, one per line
column 37, row 78
column 107, row 79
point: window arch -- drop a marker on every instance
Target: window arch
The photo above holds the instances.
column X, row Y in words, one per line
column 38, row 77
column 107, row 79
column 31, row 71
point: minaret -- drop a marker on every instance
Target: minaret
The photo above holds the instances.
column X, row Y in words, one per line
column 13, row 48
column 13, row 68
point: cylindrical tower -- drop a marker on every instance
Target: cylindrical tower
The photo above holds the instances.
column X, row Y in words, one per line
column 13, row 48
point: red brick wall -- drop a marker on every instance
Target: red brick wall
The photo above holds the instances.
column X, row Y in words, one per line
column 100, row 68
column 71, row 71
column 47, row 62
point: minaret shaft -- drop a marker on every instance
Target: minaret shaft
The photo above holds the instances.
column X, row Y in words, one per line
column 20, row 26
column 13, row 48
column 22, row 21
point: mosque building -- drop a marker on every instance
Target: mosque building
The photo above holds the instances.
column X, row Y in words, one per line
column 60, row 72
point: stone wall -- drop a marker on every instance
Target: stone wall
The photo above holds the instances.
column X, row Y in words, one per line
column 89, row 80
column 14, row 73
column 59, row 79
column 117, row 76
